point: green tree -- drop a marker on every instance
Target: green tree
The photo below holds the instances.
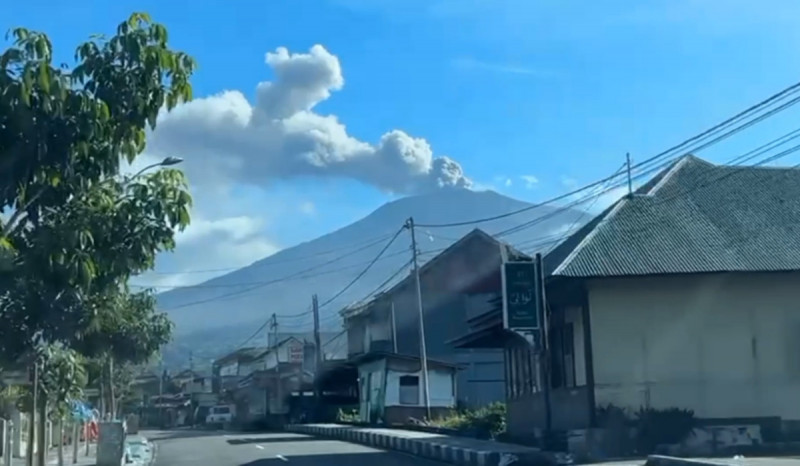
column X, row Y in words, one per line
column 126, row 337
column 77, row 229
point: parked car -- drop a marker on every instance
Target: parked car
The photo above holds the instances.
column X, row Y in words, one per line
column 220, row 415
column 138, row 450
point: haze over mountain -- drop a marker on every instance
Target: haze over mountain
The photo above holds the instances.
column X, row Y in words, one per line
column 218, row 315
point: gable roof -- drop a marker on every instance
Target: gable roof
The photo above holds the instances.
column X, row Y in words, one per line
column 693, row 217
column 240, row 355
column 363, row 307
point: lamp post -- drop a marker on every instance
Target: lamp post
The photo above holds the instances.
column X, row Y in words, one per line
column 167, row 162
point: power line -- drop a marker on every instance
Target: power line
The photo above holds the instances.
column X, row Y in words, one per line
column 761, row 150
column 765, row 103
column 376, row 291
column 363, row 272
column 283, row 261
column 269, row 282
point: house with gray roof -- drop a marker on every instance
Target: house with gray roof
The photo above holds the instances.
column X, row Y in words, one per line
column 684, row 294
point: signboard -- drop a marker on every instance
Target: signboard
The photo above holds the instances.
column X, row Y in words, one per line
column 296, row 353
column 520, row 296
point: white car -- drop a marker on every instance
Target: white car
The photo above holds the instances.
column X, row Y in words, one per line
column 220, row 415
column 138, row 450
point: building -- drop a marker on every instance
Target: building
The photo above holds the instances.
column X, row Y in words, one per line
column 681, row 295
column 456, row 286
column 390, row 389
column 229, row 369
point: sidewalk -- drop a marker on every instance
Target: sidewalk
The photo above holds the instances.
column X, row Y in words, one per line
column 449, row 449
column 83, row 460
column 52, row 457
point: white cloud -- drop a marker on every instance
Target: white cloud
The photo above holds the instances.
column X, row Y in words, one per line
column 508, row 182
column 470, row 63
column 209, row 248
column 234, row 150
column 569, row 182
column 280, row 136
column 308, row 208
column 530, row 181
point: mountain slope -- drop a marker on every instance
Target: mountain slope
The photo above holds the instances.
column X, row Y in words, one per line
column 226, row 310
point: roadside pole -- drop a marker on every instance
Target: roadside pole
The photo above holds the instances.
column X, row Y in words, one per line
column 541, row 307
column 317, row 359
column 278, row 388
column 422, row 346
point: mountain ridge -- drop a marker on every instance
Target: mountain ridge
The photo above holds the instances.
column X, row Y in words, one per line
column 224, row 311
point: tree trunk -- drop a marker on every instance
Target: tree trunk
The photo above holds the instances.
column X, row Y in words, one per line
column 111, row 388
column 41, row 443
column 102, row 394
column 76, row 437
column 32, row 420
column 60, row 442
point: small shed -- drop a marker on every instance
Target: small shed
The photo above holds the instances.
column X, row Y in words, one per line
column 391, row 390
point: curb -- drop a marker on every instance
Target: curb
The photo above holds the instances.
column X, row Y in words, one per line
column 658, row 460
column 422, row 448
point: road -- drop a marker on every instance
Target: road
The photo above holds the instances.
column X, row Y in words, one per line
column 201, row 448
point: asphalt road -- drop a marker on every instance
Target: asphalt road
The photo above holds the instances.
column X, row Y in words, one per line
column 201, row 448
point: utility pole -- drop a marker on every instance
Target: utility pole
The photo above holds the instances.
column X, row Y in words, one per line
column 317, row 357
column 422, row 347
column 278, row 392
column 541, row 307
column 394, row 330
column 630, row 182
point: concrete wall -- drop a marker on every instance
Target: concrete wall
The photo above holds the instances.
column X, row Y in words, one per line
column 446, row 311
column 230, row 369
column 526, row 414
column 724, row 345
column 440, row 383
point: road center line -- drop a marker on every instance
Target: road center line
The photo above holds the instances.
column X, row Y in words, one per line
column 259, row 447
column 282, row 458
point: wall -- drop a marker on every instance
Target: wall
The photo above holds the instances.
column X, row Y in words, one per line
column 371, row 383
column 446, row 310
column 440, row 382
column 229, row 369
column 271, row 359
column 725, row 345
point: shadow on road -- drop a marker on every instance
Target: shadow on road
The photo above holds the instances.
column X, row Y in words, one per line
column 275, row 438
column 156, row 435
column 345, row 459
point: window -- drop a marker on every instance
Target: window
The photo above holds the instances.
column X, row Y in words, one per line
column 409, row 390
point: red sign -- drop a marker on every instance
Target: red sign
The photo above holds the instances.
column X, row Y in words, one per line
column 296, row 353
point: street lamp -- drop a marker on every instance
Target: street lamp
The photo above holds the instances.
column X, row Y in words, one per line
column 167, row 162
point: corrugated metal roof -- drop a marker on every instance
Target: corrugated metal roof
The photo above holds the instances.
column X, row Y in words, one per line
column 693, row 217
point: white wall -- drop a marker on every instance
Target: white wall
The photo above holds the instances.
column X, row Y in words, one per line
column 270, row 359
column 373, row 372
column 723, row 345
column 229, row 369
column 440, row 382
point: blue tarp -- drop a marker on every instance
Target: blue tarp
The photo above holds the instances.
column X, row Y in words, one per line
column 80, row 410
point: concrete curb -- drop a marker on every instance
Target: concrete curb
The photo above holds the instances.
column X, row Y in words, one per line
column 429, row 449
column 658, row 460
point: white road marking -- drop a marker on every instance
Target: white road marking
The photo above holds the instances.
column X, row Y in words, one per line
column 282, row 458
column 259, row 447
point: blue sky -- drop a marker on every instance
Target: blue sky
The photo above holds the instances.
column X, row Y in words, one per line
column 556, row 90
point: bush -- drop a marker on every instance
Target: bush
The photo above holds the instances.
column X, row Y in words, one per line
column 486, row 422
column 350, row 416
column 656, row 427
